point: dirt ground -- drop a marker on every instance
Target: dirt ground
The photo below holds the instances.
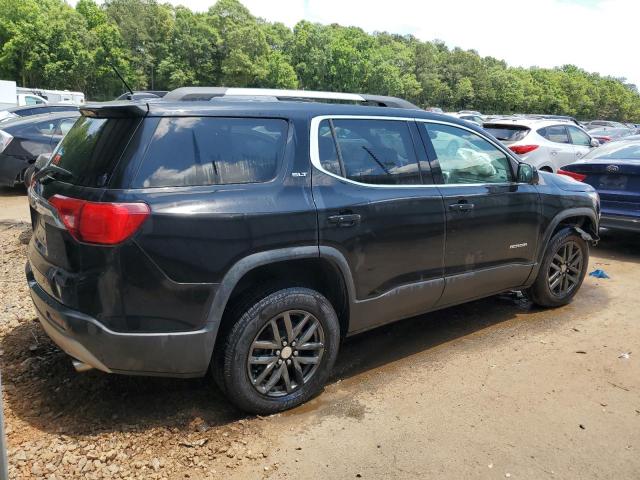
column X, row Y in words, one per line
column 13, row 204
column 491, row 389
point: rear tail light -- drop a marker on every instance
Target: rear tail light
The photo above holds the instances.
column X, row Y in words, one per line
column 522, row 149
column 576, row 176
column 5, row 140
column 604, row 139
column 100, row 222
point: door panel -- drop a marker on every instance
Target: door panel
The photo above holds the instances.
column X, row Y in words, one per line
column 491, row 221
column 581, row 141
column 561, row 150
column 391, row 235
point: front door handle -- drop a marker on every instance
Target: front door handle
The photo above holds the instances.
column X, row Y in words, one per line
column 461, row 207
column 346, row 220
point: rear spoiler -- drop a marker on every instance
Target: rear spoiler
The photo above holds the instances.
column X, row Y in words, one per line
column 118, row 109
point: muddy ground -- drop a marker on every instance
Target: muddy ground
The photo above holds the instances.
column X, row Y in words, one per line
column 491, row 389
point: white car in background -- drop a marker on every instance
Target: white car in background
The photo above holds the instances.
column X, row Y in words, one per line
column 548, row 145
column 468, row 115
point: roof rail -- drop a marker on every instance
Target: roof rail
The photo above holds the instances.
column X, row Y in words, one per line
column 207, row 93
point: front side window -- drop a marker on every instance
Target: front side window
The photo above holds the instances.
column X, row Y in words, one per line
column 378, row 152
column 189, row 151
column 465, row 157
column 29, row 100
column 578, row 137
column 64, row 126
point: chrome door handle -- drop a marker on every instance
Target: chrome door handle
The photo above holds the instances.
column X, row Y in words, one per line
column 461, row 207
column 554, row 152
column 347, row 220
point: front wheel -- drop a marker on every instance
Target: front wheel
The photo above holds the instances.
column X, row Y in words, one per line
column 280, row 351
column 562, row 271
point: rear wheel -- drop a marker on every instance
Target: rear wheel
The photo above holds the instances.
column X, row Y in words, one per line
column 562, row 270
column 280, row 351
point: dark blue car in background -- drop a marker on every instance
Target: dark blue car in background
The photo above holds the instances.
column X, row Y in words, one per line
column 614, row 170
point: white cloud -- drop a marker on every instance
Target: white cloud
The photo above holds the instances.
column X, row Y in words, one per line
column 597, row 35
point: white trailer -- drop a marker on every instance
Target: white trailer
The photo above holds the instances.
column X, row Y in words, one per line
column 8, row 94
column 55, row 96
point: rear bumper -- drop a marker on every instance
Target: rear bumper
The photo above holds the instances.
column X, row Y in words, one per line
column 619, row 222
column 175, row 354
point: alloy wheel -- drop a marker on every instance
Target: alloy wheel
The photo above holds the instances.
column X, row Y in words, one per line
column 565, row 269
column 286, row 353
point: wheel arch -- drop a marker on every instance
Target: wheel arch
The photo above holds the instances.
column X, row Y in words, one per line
column 324, row 269
column 583, row 220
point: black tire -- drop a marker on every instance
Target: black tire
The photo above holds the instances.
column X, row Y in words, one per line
column 231, row 367
column 541, row 292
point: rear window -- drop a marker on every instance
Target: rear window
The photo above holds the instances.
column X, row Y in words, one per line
column 507, row 133
column 615, row 151
column 188, row 151
column 92, row 148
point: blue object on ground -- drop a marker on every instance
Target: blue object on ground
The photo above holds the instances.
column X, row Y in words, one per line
column 599, row 274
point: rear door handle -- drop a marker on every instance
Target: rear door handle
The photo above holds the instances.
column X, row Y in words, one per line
column 346, row 220
column 461, row 207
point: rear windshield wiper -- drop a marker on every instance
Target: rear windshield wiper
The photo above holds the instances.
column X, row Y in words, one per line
column 52, row 169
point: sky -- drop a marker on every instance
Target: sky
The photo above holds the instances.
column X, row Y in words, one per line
column 596, row 35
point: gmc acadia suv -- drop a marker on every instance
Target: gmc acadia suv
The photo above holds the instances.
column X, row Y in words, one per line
column 246, row 233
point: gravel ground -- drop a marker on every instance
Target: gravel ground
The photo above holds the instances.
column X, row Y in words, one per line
column 491, row 389
column 64, row 425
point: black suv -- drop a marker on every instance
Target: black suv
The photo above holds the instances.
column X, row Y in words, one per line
column 248, row 237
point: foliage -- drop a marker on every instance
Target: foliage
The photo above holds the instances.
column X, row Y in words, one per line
column 49, row 44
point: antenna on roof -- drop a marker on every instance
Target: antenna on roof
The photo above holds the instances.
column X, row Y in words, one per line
column 121, row 78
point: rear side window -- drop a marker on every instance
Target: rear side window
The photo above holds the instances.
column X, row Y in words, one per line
column 555, row 133
column 188, row 151
column 92, row 148
column 378, row 152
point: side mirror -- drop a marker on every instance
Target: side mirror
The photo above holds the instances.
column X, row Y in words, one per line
column 528, row 174
column 595, row 142
column 41, row 161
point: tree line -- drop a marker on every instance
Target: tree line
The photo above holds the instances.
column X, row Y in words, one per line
column 49, row 44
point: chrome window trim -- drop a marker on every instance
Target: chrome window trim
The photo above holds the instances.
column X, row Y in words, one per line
column 314, row 151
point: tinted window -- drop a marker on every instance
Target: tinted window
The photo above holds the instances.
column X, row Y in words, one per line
column 212, row 151
column 62, row 108
column 578, row 137
column 374, row 151
column 327, row 149
column 30, row 111
column 465, row 157
column 557, row 134
column 92, row 148
column 45, row 127
column 64, row 126
column 507, row 133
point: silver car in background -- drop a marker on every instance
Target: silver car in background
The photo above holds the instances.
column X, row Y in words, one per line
column 548, row 145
